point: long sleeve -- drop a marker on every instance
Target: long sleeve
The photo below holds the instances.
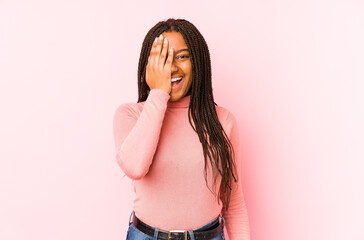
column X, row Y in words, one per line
column 136, row 135
column 236, row 218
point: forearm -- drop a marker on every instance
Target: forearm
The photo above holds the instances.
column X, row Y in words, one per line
column 136, row 139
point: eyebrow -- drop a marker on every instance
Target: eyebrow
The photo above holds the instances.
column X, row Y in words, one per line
column 181, row 50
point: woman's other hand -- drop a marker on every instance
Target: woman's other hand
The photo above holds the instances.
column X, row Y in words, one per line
column 158, row 70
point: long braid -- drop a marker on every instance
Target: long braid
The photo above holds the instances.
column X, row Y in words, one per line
column 216, row 144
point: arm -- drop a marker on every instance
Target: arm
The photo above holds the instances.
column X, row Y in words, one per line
column 136, row 139
column 236, row 218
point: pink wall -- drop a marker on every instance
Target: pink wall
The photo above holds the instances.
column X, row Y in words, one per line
column 291, row 72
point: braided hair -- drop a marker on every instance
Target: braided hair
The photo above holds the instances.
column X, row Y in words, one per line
column 216, row 145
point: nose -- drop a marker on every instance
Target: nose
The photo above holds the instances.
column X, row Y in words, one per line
column 174, row 67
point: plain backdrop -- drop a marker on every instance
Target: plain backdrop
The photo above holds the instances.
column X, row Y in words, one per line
column 290, row 71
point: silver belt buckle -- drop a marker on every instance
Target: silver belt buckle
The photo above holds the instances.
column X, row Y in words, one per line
column 177, row 231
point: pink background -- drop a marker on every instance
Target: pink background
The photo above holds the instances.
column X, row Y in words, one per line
column 290, row 71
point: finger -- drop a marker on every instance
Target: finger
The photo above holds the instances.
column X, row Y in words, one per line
column 154, row 45
column 169, row 58
column 153, row 53
column 164, row 52
column 158, row 48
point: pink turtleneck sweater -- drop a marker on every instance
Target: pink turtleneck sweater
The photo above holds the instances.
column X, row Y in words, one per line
column 157, row 147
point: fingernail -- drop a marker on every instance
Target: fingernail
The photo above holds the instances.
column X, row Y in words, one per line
column 171, row 49
column 156, row 39
column 165, row 41
column 160, row 37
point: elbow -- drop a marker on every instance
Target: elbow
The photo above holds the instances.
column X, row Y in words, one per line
column 132, row 171
column 134, row 174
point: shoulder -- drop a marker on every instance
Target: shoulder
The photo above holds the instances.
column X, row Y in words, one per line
column 226, row 118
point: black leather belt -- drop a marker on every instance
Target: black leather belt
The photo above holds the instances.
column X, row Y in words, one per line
column 202, row 234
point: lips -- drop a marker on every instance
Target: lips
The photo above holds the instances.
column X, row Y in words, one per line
column 176, row 84
column 175, row 78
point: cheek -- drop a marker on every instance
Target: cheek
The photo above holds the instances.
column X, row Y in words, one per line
column 188, row 68
column 188, row 71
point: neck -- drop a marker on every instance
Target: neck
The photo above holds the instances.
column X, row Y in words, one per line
column 180, row 103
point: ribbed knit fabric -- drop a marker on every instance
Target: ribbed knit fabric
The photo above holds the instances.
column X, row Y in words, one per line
column 157, row 147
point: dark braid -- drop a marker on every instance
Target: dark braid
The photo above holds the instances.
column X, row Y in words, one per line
column 216, row 144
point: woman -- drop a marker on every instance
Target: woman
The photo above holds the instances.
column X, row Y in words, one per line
column 185, row 172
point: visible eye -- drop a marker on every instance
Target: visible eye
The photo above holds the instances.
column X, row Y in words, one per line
column 182, row 57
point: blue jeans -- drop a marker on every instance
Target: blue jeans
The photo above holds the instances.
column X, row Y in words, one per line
column 136, row 234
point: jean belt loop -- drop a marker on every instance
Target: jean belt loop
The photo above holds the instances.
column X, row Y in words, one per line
column 223, row 220
column 156, row 231
column 130, row 221
column 192, row 236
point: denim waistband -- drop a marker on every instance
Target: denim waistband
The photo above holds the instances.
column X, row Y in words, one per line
column 156, row 230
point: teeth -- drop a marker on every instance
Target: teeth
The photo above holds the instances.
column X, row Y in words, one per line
column 176, row 79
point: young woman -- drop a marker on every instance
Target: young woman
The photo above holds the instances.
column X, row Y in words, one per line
column 181, row 149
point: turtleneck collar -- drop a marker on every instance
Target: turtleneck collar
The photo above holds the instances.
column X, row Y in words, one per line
column 181, row 103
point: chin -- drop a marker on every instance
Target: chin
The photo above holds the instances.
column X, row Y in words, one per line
column 175, row 96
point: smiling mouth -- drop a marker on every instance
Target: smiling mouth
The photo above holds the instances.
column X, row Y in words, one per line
column 176, row 82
